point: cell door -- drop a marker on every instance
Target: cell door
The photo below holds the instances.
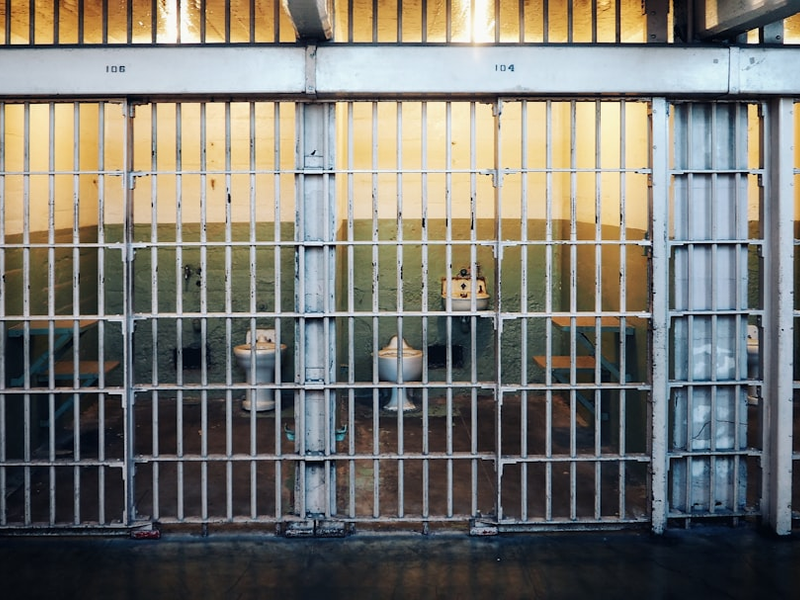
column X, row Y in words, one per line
column 63, row 446
column 573, row 305
column 507, row 245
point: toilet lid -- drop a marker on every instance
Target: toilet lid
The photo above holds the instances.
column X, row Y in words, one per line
column 260, row 347
column 394, row 353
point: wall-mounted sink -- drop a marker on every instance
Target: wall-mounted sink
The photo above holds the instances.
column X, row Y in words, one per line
column 460, row 289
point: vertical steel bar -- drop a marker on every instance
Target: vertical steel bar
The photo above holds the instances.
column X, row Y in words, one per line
column 229, row 342
column 128, row 22
column 498, row 303
column 570, row 23
column 128, row 305
column 523, row 308
column 179, row 380
column 449, row 262
column 154, row 304
column 425, row 274
column 204, row 303
column 545, row 21
column 315, row 197
column 549, row 266
column 27, row 451
column 687, row 251
column 374, row 13
column 3, row 339
column 154, row 25
column 622, row 352
column 659, row 298
column 598, row 291
column 573, row 297
column 76, row 310
column 252, row 308
column 51, row 259
column 399, row 301
column 7, row 23
column 423, row 20
column 475, row 271
column 202, row 259
column 779, row 324
column 713, row 293
column 374, row 165
column 351, row 303
column 227, row 10
column 104, row 22
column 101, row 311
column 278, row 295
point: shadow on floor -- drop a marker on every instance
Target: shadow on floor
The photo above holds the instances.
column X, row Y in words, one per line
column 707, row 563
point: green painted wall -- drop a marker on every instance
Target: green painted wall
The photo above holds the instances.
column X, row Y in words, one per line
column 398, row 265
column 175, row 293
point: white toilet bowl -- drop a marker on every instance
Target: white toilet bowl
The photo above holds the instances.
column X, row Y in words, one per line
column 411, row 361
column 258, row 362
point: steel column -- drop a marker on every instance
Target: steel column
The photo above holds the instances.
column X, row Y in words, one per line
column 659, row 341
column 128, row 285
column 779, row 326
column 315, row 341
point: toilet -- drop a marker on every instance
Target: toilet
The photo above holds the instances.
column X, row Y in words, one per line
column 264, row 359
column 753, row 367
column 411, row 360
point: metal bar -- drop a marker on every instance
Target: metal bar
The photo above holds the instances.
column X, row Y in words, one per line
column 315, row 198
column 623, row 305
column 154, row 304
column 475, row 272
column 498, row 298
column 251, row 324
column 351, row 322
column 4, row 426
column 548, row 304
column 778, row 328
column 449, row 262
column 523, row 234
column 659, row 298
column 375, row 288
column 203, row 298
column 179, row 376
column 128, row 307
column 399, row 300
column 425, row 235
column 76, row 310
column 229, row 511
column 278, row 291
column 51, row 210
column 101, row 311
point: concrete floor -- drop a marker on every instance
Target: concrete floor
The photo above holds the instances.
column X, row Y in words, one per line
column 702, row 562
column 708, row 562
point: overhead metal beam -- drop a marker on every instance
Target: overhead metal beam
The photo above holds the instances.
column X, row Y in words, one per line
column 725, row 19
column 150, row 71
column 338, row 71
column 312, row 19
column 511, row 70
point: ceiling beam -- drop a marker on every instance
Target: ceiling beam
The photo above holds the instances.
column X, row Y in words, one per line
column 312, row 19
column 725, row 19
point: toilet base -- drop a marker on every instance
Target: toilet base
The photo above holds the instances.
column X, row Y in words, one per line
column 262, row 403
column 399, row 399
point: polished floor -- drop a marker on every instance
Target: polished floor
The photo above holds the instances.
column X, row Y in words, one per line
column 703, row 563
